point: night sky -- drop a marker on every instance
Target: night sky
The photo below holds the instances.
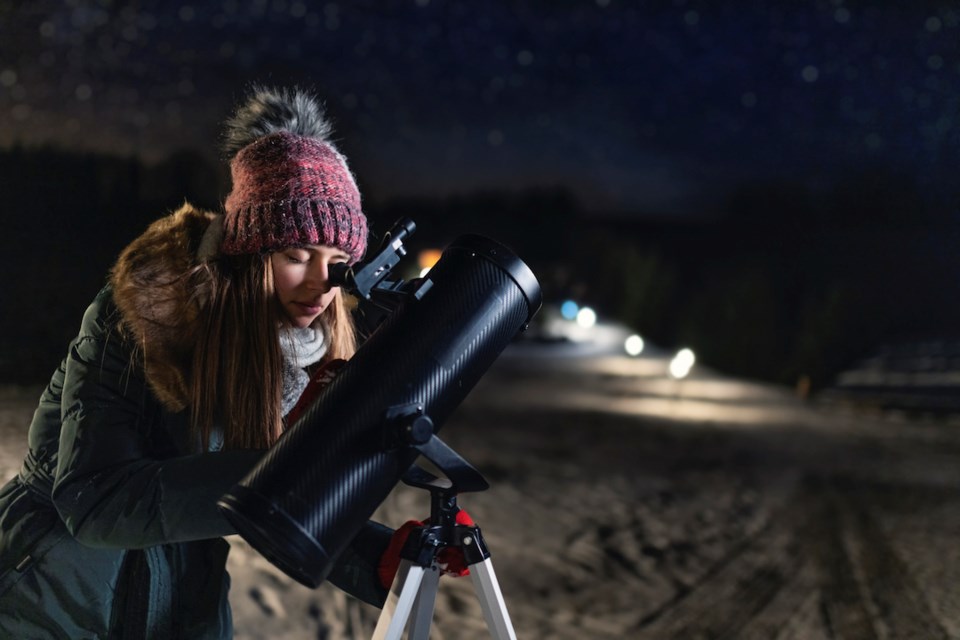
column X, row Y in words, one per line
column 771, row 183
column 642, row 108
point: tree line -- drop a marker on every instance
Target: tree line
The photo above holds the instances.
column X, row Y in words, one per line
column 781, row 282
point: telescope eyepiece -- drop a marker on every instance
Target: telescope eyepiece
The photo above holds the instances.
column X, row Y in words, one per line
column 340, row 275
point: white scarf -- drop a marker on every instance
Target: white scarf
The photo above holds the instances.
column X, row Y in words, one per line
column 301, row 348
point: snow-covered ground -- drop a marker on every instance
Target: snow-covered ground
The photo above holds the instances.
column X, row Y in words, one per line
column 626, row 504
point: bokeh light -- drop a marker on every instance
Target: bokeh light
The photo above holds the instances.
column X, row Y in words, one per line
column 633, row 345
column 569, row 309
column 682, row 363
column 586, row 317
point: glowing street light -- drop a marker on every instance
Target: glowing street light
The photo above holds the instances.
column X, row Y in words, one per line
column 633, row 345
column 586, row 317
column 682, row 363
column 569, row 310
column 426, row 259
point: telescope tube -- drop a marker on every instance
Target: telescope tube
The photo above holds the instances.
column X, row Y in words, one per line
column 319, row 484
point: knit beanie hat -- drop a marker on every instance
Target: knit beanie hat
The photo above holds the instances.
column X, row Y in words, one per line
column 291, row 186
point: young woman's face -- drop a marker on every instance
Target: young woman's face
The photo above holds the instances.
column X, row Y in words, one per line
column 302, row 283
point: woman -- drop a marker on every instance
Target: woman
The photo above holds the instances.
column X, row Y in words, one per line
column 181, row 375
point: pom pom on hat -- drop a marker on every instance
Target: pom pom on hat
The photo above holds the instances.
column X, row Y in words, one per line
column 291, row 186
column 269, row 111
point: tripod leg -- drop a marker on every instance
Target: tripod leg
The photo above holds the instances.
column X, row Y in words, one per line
column 491, row 600
column 396, row 610
column 425, row 604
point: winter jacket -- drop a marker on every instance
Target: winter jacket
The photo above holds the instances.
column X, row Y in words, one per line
column 110, row 529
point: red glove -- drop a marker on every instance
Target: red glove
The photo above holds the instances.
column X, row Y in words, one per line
column 318, row 382
column 449, row 559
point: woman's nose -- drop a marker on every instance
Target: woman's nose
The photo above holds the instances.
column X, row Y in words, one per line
column 318, row 275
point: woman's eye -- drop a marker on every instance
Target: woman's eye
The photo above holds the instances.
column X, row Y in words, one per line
column 294, row 259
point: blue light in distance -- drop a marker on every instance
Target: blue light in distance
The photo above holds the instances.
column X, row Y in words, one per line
column 569, row 309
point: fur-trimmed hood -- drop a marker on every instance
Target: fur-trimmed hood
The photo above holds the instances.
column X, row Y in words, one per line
column 159, row 296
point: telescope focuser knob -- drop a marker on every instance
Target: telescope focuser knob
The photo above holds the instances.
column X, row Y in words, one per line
column 420, row 430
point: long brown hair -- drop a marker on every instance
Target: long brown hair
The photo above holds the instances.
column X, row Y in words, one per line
column 236, row 375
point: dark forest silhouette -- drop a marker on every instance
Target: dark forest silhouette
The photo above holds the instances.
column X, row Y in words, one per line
column 788, row 282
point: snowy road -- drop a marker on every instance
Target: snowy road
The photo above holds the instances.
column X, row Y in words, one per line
column 625, row 504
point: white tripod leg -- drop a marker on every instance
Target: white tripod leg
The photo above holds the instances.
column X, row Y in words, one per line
column 423, row 607
column 491, row 600
column 396, row 610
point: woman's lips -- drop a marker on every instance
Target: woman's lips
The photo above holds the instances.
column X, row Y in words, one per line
column 308, row 309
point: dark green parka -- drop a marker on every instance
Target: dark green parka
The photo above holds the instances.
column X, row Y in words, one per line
column 111, row 530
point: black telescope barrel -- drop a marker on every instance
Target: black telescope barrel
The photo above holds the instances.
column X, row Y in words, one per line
column 319, row 484
column 509, row 262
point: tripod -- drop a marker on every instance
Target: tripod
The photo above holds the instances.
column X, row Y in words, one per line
column 414, row 590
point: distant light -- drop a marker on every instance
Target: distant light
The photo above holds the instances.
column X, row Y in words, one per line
column 682, row 363
column 8, row 77
column 569, row 310
column 633, row 345
column 586, row 317
column 873, row 140
column 685, row 357
column 298, row 10
column 810, row 73
column 426, row 259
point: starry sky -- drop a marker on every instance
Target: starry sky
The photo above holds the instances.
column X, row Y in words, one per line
column 644, row 108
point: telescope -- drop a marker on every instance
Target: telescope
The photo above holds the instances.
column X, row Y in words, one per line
column 431, row 339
